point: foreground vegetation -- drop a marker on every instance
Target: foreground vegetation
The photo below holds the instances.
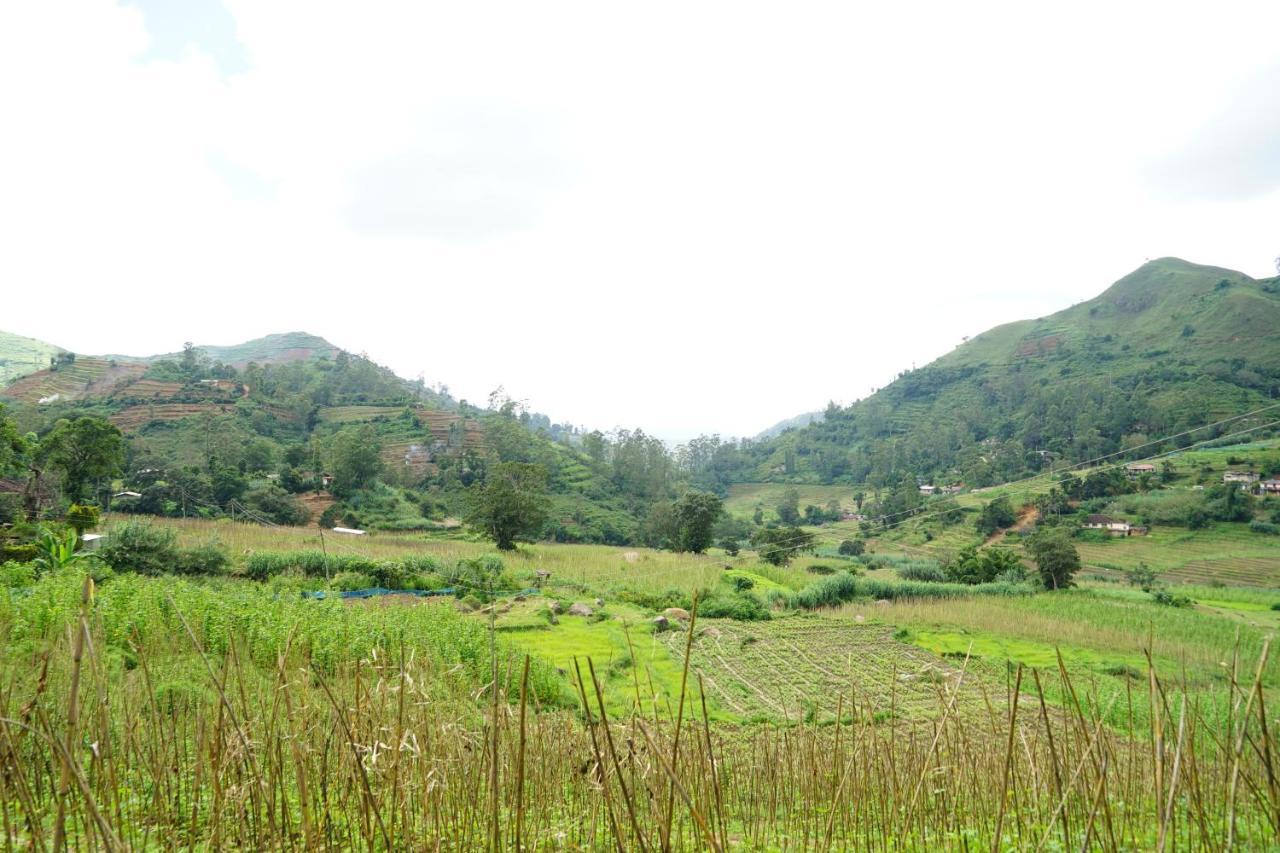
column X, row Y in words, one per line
column 164, row 712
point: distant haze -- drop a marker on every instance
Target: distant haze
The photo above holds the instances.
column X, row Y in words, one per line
column 682, row 217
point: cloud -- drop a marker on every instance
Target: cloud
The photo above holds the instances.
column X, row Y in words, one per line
column 1234, row 153
column 466, row 169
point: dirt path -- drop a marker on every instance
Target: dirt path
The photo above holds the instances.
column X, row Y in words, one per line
column 1027, row 518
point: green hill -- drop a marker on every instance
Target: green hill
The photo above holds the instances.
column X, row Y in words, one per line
column 1169, row 347
column 289, row 346
column 20, row 356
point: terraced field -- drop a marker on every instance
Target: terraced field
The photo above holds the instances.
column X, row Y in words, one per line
column 357, row 414
column 82, row 378
column 136, row 417
column 810, row 667
column 1225, row 553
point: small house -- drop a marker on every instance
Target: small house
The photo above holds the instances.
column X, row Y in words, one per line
column 952, row 489
column 91, row 541
column 1270, row 487
column 1113, row 526
column 349, row 531
column 1139, row 469
column 928, row 490
column 850, row 515
column 1245, row 477
column 127, row 494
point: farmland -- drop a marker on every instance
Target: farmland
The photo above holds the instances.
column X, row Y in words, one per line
column 275, row 720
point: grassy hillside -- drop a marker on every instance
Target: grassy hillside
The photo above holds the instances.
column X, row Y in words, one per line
column 20, row 356
column 290, row 346
column 1170, row 347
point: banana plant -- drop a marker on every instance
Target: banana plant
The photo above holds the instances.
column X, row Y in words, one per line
column 56, row 550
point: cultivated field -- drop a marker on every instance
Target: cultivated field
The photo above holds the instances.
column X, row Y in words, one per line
column 231, row 713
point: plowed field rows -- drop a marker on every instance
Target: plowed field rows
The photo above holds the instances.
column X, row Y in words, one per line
column 799, row 667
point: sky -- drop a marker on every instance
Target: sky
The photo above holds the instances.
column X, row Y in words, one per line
column 693, row 217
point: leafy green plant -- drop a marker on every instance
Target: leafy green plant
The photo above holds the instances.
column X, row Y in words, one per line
column 56, row 549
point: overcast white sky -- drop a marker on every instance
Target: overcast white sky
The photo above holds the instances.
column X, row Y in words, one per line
column 681, row 216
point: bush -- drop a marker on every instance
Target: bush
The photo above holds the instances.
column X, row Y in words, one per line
column 924, row 572
column 828, row 592
column 742, row 584
column 851, row 547
column 348, row 581
column 1163, row 596
column 204, row 560
column 140, row 548
column 742, row 606
column 654, row 600
column 16, row 575
column 1265, row 527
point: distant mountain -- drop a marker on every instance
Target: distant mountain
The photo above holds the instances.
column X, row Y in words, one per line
column 32, row 379
column 1171, row 346
column 20, row 356
column 272, row 349
column 780, row 427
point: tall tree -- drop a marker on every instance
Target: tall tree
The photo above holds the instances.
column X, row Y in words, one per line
column 511, row 504
column 696, row 514
column 12, row 445
column 84, row 452
column 354, row 459
column 788, row 507
column 1056, row 558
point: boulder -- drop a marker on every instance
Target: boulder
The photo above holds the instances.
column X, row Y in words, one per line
column 713, row 633
column 554, row 606
column 677, row 613
column 580, row 609
column 660, row 624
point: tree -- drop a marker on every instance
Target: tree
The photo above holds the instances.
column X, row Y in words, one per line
column 511, row 504
column 82, row 518
column 1143, row 577
column 788, row 507
column 696, row 514
column 852, row 548
column 354, row 459
column 995, row 516
column 777, row 545
column 84, row 451
column 1055, row 557
column 12, row 446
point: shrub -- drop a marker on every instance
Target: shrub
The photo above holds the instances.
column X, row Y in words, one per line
column 1265, row 527
column 140, row 548
column 1163, row 596
column 83, row 518
column 742, row 584
column 851, row 547
column 203, row 560
column 827, row 592
column 16, row 575
column 348, row 581
column 820, row 569
column 925, row 572
column 654, row 600
column 742, row 606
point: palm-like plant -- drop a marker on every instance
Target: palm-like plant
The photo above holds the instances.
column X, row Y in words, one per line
column 55, row 550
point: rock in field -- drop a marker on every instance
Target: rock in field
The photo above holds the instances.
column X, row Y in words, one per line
column 677, row 613
column 580, row 609
column 660, row 624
